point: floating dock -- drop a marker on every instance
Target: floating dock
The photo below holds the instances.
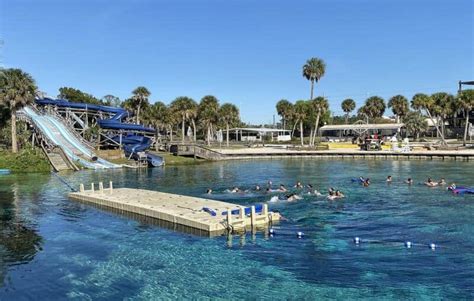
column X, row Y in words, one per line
column 210, row 216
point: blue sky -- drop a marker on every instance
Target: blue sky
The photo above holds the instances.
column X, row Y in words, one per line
column 246, row 52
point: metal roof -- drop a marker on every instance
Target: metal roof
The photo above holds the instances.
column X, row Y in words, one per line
column 260, row 130
column 364, row 127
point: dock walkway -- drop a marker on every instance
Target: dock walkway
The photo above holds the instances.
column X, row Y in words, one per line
column 206, row 215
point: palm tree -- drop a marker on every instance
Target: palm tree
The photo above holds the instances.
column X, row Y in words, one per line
column 465, row 101
column 187, row 109
column 313, row 71
column 399, row 105
column 300, row 113
column 229, row 115
column 155, row 115
column 17, row 89
column 140, row 96
column 111, row 100
column 444, row 107
column 320, row 105
column 374, row 107
column 424, row 102
column 415, row 123
column 348, row 105
column 284, row 109
column 208, row 114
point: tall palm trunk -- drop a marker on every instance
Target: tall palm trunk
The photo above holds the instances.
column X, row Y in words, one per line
column 312, row 88
column 436, row 126
column 301, row 132
column 466, row 112
column 138, row 112
column 316, row 124
column 294, row 128
column 227, row 129
column 194, row 130
column 182, row 131
column 347, row 118
column 14, row 140
column 209, row 135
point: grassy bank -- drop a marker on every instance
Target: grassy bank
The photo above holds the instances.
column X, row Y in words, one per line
column 170, row 159
column 27, row 160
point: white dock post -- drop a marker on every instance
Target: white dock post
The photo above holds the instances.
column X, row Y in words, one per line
column 101, row 187
column 252, row 215
column 81, row 188
column 242, row 216
column 111, row 188
column 265, row 211
column 92, row 186
column 229, row 218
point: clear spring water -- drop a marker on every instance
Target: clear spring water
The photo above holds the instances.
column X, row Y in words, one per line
column 53, row 248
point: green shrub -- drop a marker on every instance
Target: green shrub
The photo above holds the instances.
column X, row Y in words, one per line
column 27, row 160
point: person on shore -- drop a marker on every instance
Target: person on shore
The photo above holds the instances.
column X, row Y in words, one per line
column 282, row 188
column 389, row 179
column 409, row 181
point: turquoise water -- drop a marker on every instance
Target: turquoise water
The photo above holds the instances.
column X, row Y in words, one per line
column 52, row 248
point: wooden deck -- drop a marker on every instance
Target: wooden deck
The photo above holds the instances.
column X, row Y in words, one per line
column 178, row 209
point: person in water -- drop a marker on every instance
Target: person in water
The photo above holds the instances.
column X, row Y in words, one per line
column 366, row 183
column 430, row 183
column 442, row 182
column 409, row 181
column 269, row 184
column 298, row 185
column 209, row 191
column 235, row 190
column 389, row 179
column 292, row 197
column 282, row 188
column 257, row 188
column 331, row 191
column 452, row 187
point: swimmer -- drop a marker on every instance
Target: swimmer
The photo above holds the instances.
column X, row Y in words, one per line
column 409, row 181
column 389, row 179
column 268, row 190
column 430, row 183
column 361, row 179
column 292, row 197
column 331, row 191
column 282, row 188
column 337, row 195
column 442, row 182
column 298, row 185
column 209, row 191
column 235, row 190
column 257, row 188
column 269, row 184
column 366, row 183
column 452, row 187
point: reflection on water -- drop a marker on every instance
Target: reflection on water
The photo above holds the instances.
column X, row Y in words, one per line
column 19, row 241
column 52, row 248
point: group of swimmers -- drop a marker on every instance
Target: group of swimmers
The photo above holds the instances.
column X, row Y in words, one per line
column 291, row 196
column 429, row 182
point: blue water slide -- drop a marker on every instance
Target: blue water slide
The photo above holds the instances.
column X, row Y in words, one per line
column 132, row 142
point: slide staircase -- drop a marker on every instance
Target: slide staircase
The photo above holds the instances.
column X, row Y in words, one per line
column 63, row 142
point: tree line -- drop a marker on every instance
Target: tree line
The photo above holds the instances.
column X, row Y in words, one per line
column 438, row 107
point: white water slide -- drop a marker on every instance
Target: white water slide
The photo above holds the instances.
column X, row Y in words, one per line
column 60, row 134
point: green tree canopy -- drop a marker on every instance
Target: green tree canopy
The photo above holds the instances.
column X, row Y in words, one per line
column 284, row 109
column 17, row 89
column 313, row 70
column 186, row 108
column 348, row 105
column 139, row 99
column 76, row 95
column 229, row 115
column 374, row 107
column 208, row 114
column 399, row 105
column 465, row 101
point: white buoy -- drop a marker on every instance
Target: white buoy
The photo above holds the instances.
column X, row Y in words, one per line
column 432, row 246
column 299, row 234
column 408, row 244
column 356, row 240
